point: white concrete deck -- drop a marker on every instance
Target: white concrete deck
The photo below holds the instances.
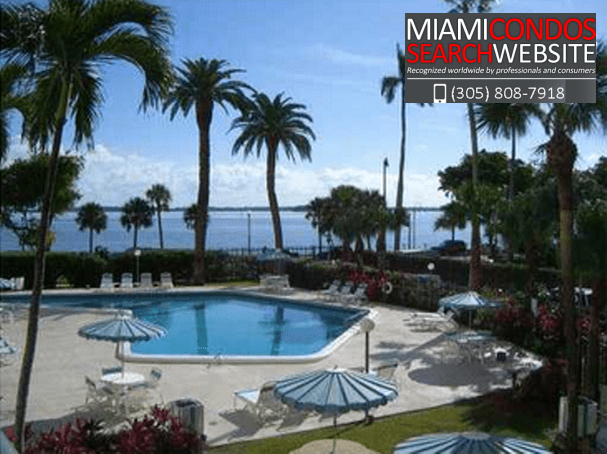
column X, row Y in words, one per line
column 426, row 378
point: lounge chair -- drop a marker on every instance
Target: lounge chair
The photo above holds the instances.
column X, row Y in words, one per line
column 126, row 281
column 166, row 280
column 386, row 370
column 145, row 281
column 107, row 282
column 359, row 295
column 346, row 291
column 262, row 402
column 331, row 292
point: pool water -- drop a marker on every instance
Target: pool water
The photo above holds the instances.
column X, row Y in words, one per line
column 227, row 323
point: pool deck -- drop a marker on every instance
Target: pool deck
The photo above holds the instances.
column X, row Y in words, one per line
column 426, row 377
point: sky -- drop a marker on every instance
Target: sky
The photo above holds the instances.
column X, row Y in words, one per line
column 326, row 54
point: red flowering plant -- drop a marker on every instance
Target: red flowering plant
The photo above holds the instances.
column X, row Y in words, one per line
column 514, row 322
column 375, row 282
column 549, row 329
column 159, row 434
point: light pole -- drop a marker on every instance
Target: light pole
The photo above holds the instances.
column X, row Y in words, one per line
column 249, row 231
column 385, row 167
column 137, row 254
column 367, row 325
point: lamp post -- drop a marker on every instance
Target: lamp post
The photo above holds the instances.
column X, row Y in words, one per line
column 249, row 231
column 137, row 254
column 385, row 167
column 367, row 325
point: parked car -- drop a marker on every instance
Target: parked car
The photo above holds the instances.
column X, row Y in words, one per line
column 450, row 247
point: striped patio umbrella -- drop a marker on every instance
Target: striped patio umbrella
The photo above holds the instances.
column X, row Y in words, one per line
column 468, row 443
column 467, row 301
column 335, row 391
column 122, row 328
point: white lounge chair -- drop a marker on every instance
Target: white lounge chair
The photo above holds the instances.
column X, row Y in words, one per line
column 345, row 291
column 331, row 293
column 107, row 282
column 359, row 295
column 126, row 281
column 146, row 281
column 166, row 280
column 8, row 352
column 262, row 402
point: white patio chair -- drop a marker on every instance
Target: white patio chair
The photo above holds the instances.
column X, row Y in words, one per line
column 126, row 281
column 346, row 291
column 166, row 280
column 359, row 295
column 331, row 293
column 146, row 281
column 262, row 403
column 98, row 395
column 111, row 370
column 107, row 282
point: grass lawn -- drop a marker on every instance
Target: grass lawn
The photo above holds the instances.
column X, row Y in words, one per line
column 494, row 413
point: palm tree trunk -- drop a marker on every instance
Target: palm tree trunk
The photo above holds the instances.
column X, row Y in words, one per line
column 561, row 153
column 135, row 229
column 204, row 114
column 511, row 165
column 474, row 281
column 32, row 325
column 401, row 169
column 598, row 301
column 90, row 241
column 160, row 228
column 270, row 185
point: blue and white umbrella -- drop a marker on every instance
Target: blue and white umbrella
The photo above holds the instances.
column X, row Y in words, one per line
column 467, row 301
column 468, row 443
column 335, row 391
column 122, row 328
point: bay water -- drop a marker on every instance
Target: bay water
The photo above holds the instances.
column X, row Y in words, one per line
column 226, row 230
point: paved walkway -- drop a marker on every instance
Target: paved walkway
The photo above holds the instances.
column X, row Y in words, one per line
column 427, row 376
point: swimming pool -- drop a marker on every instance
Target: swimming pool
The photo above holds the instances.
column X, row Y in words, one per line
column 226, row 326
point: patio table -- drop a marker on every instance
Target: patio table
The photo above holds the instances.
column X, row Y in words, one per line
column 125, row 383
column 473, row 344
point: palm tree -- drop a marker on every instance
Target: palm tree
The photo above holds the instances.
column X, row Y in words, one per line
column 204, row 83
column 160, row 197
column 91, row 216
column 562, row 122
column 473, row 6
column 316, row 215
column 136, row 213
column 389, row 85
column 507, row 120
column 65, row 44
column 454, row 216
column 10, row 77
column 272, row 123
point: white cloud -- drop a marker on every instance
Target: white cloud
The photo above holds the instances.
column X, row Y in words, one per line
column 341, row 56
column 111, row 179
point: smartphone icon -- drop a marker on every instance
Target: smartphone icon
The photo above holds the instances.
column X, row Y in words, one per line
column 440, row 93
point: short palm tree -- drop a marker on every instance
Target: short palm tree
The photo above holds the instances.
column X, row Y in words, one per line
column 562, row 122
column 389, row 86
column 203, row 83
column 454, row 216
column 464, row 7
column 10, row 99
column 91, row 216
column 272, row 123
column 65, row 44
column 136, row 213
column 160, row 197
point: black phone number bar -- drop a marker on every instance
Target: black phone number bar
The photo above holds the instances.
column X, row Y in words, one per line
column 500, row 90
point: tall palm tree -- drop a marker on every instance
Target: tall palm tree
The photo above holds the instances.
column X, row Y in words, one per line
column 11, row 76
column 316, row 215
column 203, row 83
column 507, row 120
column 464, row 7
column 91, row 216
column 65, row 44
column 136, row 213
column 273, row 123
column 562, row 122
column 160, row 197
column 389, row 85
